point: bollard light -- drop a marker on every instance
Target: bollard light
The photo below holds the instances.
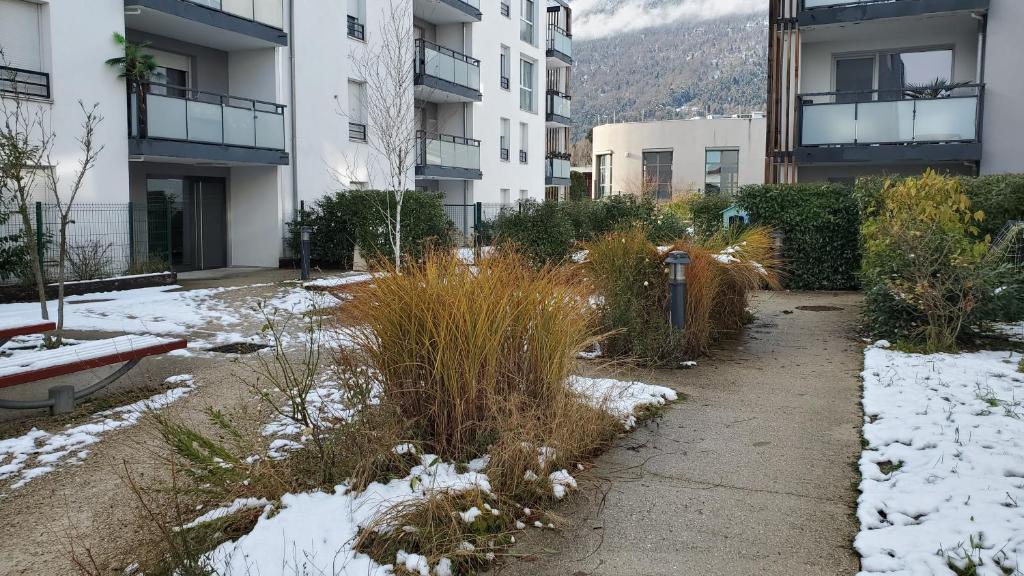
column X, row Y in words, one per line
column 677, row 262
column 778, row 237
column 304, row 234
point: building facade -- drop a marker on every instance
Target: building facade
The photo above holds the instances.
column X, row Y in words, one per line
column 895, row 86
column 257, row 107
column 673, row 157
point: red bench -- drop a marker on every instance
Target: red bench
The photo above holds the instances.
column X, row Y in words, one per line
column 10, row 329
column 36, row 366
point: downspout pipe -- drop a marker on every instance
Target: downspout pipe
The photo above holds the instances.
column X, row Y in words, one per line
column 294, row 107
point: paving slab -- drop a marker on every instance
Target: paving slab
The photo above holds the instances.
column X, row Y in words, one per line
column 752, row 474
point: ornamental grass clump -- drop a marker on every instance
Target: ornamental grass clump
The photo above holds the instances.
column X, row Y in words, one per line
column 632, row 280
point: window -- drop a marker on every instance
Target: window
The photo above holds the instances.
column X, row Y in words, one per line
column 604, row 176
column 527, row 8
column 524, row 195
column 524, row 142
column 506, row 196
column 21, row 31
column 356, row 111
column 171, row 76
column 658, row 174
column 721, row 171
column 506, row 64
column 526, row 83
column 899, row 72
column 506, row 145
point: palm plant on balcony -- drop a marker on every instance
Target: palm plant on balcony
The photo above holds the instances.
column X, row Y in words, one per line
column 136, row 66
column 938, row 88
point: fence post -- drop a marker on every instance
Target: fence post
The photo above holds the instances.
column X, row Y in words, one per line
column 131, row 235
column 167, row 226
column 40, row 248
column 478, row 217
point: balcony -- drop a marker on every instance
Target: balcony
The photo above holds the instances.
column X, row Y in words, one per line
column 443, row 75
column 447, row 11
column 886, row 127
column 226, row 25
column 559, row 110
column 827, row 12
column 556, row 170
column 23, row 82
column 559, row 47
column 446, row 157
column 182, row 124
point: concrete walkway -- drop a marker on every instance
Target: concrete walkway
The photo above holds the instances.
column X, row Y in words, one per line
column 752, row 474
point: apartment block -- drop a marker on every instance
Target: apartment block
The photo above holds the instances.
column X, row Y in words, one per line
column 894, row 86
column 256, row 107
column 671, row 157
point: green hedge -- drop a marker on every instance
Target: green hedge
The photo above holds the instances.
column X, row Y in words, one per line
column 707, row 211
column 547, row 232
column 341, row 221
column 820, row 223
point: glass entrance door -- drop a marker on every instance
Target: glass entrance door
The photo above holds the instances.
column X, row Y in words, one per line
column 187, row 222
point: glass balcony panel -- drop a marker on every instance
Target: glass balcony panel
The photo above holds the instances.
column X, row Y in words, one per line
column 269, row 12
column 461, row 73
column 215, row 4
column 433, row 155
column 239, row 126
column 946, row 119
column 474, row 77
column 240, row 8
column 829, row 124
column 885, row 122
column 205, row 122
column 473, row 3
column 166, row 117
column 269, row 130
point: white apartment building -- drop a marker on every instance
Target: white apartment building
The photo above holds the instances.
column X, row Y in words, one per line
column 894, row 86
column 256, row 108
column 671, row 157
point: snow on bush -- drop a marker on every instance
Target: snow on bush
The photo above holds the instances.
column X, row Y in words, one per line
column 943, row 471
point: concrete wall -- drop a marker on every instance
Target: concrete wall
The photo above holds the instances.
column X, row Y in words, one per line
column 688, row 140
column 1003, row 135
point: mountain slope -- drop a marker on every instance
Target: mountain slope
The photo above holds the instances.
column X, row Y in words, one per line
column 676, row 70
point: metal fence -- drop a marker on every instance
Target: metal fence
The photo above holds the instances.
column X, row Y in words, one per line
column 104, row 240
column 473, row 221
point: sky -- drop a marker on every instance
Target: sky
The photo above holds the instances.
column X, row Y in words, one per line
column 593, row 18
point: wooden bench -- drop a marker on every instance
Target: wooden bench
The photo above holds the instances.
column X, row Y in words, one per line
column 35, row 366
column 12, row 328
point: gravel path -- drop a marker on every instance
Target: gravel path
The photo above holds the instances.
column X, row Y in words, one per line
column 752, row 474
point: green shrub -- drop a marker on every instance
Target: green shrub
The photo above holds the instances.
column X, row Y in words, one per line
column 821, row 246
column 706, row 210
column 424, row 224
column 332, row 233
column 929, row 273
column 542, row 232
column 1000, row 197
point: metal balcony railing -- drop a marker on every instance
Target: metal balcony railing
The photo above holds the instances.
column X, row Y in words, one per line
column 356, row 132
column 169, row 112
column 875, row 117
column 504, row 82
column 559, row 104
column 447, row 151
column 813, row 4
column 356, row 29
column 24, row 82
column 506, row 9
column 269, row 12
column 446, row 64
column 523, row 157
column 559, row 40
column 505, row 154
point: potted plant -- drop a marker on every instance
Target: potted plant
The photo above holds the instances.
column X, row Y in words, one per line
column 938, row 88
column 136, row 66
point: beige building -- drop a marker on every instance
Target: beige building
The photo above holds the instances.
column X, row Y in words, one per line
column 675, row 157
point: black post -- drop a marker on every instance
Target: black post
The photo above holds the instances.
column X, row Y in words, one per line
column 677, row 262
column 305, row 252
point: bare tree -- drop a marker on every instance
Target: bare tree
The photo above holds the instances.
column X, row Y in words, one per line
column 65, row 203
column 25, row 143
column 386, row 68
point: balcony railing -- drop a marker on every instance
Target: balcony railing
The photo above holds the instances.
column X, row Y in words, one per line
column 559, row 104
column 446, row 64
column 891, row 117
column 355, row 29
column 504, row 154
column 447, row 151
column 557, row 168
column 523, row 157
column 559, row 40
column 24, row 82
column 169, row 112
column 269, row 12
column 506, row 9
column 356, row 132
column 504, row 82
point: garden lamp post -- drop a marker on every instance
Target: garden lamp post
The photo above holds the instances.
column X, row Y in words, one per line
column 677, row 262
column 304, row 235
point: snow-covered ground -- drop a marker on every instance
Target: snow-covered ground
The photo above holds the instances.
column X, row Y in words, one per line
column 38, row 452
column 943, row 470
column 1012, row 331
column 314, row 533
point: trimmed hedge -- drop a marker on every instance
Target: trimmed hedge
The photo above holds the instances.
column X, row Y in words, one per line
column 821, row 227
column 341, row 221
column 706, row 211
